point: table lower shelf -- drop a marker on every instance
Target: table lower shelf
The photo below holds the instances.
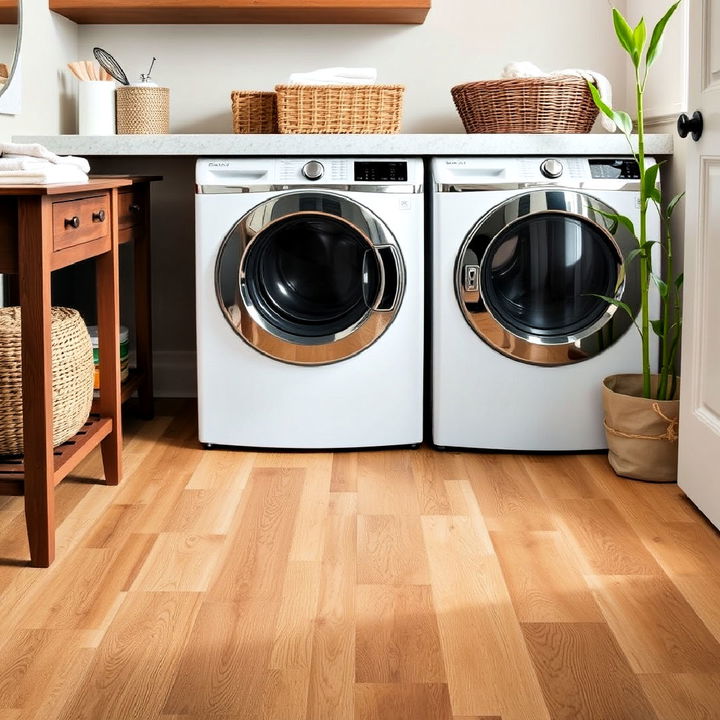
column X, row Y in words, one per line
column 65, row 456
column 127, row 388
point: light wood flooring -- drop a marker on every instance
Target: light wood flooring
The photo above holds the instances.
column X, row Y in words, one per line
column 395, row 585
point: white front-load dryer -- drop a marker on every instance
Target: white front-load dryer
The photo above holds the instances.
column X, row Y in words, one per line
column 525, row 254
column 309, row 302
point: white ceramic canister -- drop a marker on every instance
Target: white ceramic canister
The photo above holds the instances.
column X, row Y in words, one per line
column 96, row 107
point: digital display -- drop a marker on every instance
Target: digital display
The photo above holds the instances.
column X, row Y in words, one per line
column 381, row 171
column 615, row 169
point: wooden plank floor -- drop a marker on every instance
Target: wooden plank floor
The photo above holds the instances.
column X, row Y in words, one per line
column 393, row 585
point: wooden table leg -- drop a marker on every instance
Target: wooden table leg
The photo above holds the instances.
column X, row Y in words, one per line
column 143, row 312
column 35, row 214
column 108, row 315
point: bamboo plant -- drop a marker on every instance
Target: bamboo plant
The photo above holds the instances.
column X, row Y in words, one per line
column 669, row 325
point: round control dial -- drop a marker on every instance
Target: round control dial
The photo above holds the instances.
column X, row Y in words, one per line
column 313, row 170
column 551, row 168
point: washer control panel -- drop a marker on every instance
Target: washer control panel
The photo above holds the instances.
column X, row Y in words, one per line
column 510, row 172
column 380, row 171
column 625, row 169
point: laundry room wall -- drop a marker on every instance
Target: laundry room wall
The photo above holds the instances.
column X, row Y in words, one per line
column 49, row 42
column 461, row 40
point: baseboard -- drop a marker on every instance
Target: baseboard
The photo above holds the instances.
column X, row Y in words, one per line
column 175, row 373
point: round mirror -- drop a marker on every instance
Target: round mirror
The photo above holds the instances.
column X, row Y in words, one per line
column 10, row 34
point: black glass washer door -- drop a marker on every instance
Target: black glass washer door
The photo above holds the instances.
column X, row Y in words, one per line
column 309, row 277
column 541, row 276
column 312, row 275
column 529, row 274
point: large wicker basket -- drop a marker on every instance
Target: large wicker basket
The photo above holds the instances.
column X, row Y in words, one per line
column 365, row 109
column 72, row 377
column 254, row 111
column 142, row 110
column 561, row 104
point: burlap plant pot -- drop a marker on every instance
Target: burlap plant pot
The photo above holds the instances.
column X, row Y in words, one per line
column 641, row 433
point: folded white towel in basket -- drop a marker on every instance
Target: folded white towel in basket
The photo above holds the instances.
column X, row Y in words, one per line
column 335, row 76
column 35, row 150
column 528, row 69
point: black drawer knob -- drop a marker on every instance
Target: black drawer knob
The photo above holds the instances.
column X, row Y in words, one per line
column 99, row 216
column 72, row 222
column 135, row 208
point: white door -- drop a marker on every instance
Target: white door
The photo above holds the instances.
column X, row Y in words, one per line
column 699, row 469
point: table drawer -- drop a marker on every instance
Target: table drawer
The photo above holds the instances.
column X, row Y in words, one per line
column 79, row 221
column 131, row 208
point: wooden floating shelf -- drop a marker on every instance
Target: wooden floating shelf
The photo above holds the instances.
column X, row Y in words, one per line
column 401, row 12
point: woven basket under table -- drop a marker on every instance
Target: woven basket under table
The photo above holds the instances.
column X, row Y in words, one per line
column 561, row 104
column 364, row 109
column 72, row 377
column 254, row 111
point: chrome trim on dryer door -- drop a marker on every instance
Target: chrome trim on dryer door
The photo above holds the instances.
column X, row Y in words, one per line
column 484, row 243
column 260, row 323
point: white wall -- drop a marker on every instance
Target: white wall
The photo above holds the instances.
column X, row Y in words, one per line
column 461, row 40
column 49, row 42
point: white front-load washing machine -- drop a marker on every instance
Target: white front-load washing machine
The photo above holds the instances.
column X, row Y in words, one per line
column 309, row 302
column 525, row 251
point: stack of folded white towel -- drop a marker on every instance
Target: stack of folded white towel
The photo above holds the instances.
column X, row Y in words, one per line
column 34, row 164
column 335, row 76
column 528, row 69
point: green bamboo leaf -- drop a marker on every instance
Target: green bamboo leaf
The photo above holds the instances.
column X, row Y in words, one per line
column 617, row 218
column 632, row 255
column 649, row 180
column 673, row 204
column 616, row 303
column 658, row 329
column 621, row 119
column 656, row 39
column 662, row 286
column 625, row 35
column 639, row 37
column 679, row 280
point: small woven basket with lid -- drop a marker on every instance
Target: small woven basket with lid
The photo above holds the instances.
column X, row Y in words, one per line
column 561, row 104
column 72, row 377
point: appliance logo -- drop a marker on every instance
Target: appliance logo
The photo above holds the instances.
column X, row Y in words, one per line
column 219, row 164
column 456, row 162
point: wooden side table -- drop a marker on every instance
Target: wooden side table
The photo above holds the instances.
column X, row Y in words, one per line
column 44, row 228
column 134, row 224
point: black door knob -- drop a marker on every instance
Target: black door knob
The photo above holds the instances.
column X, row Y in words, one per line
column 693, row 125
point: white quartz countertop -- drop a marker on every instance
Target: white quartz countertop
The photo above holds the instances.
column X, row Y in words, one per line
column 351, row 145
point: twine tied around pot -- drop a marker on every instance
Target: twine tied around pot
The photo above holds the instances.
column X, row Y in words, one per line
column 671, row 431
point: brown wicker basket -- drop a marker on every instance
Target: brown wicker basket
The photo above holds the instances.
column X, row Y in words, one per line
column 72, row 377
column 561, row 104
column 142, row 110
column 365, row 109
column 254, row 111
